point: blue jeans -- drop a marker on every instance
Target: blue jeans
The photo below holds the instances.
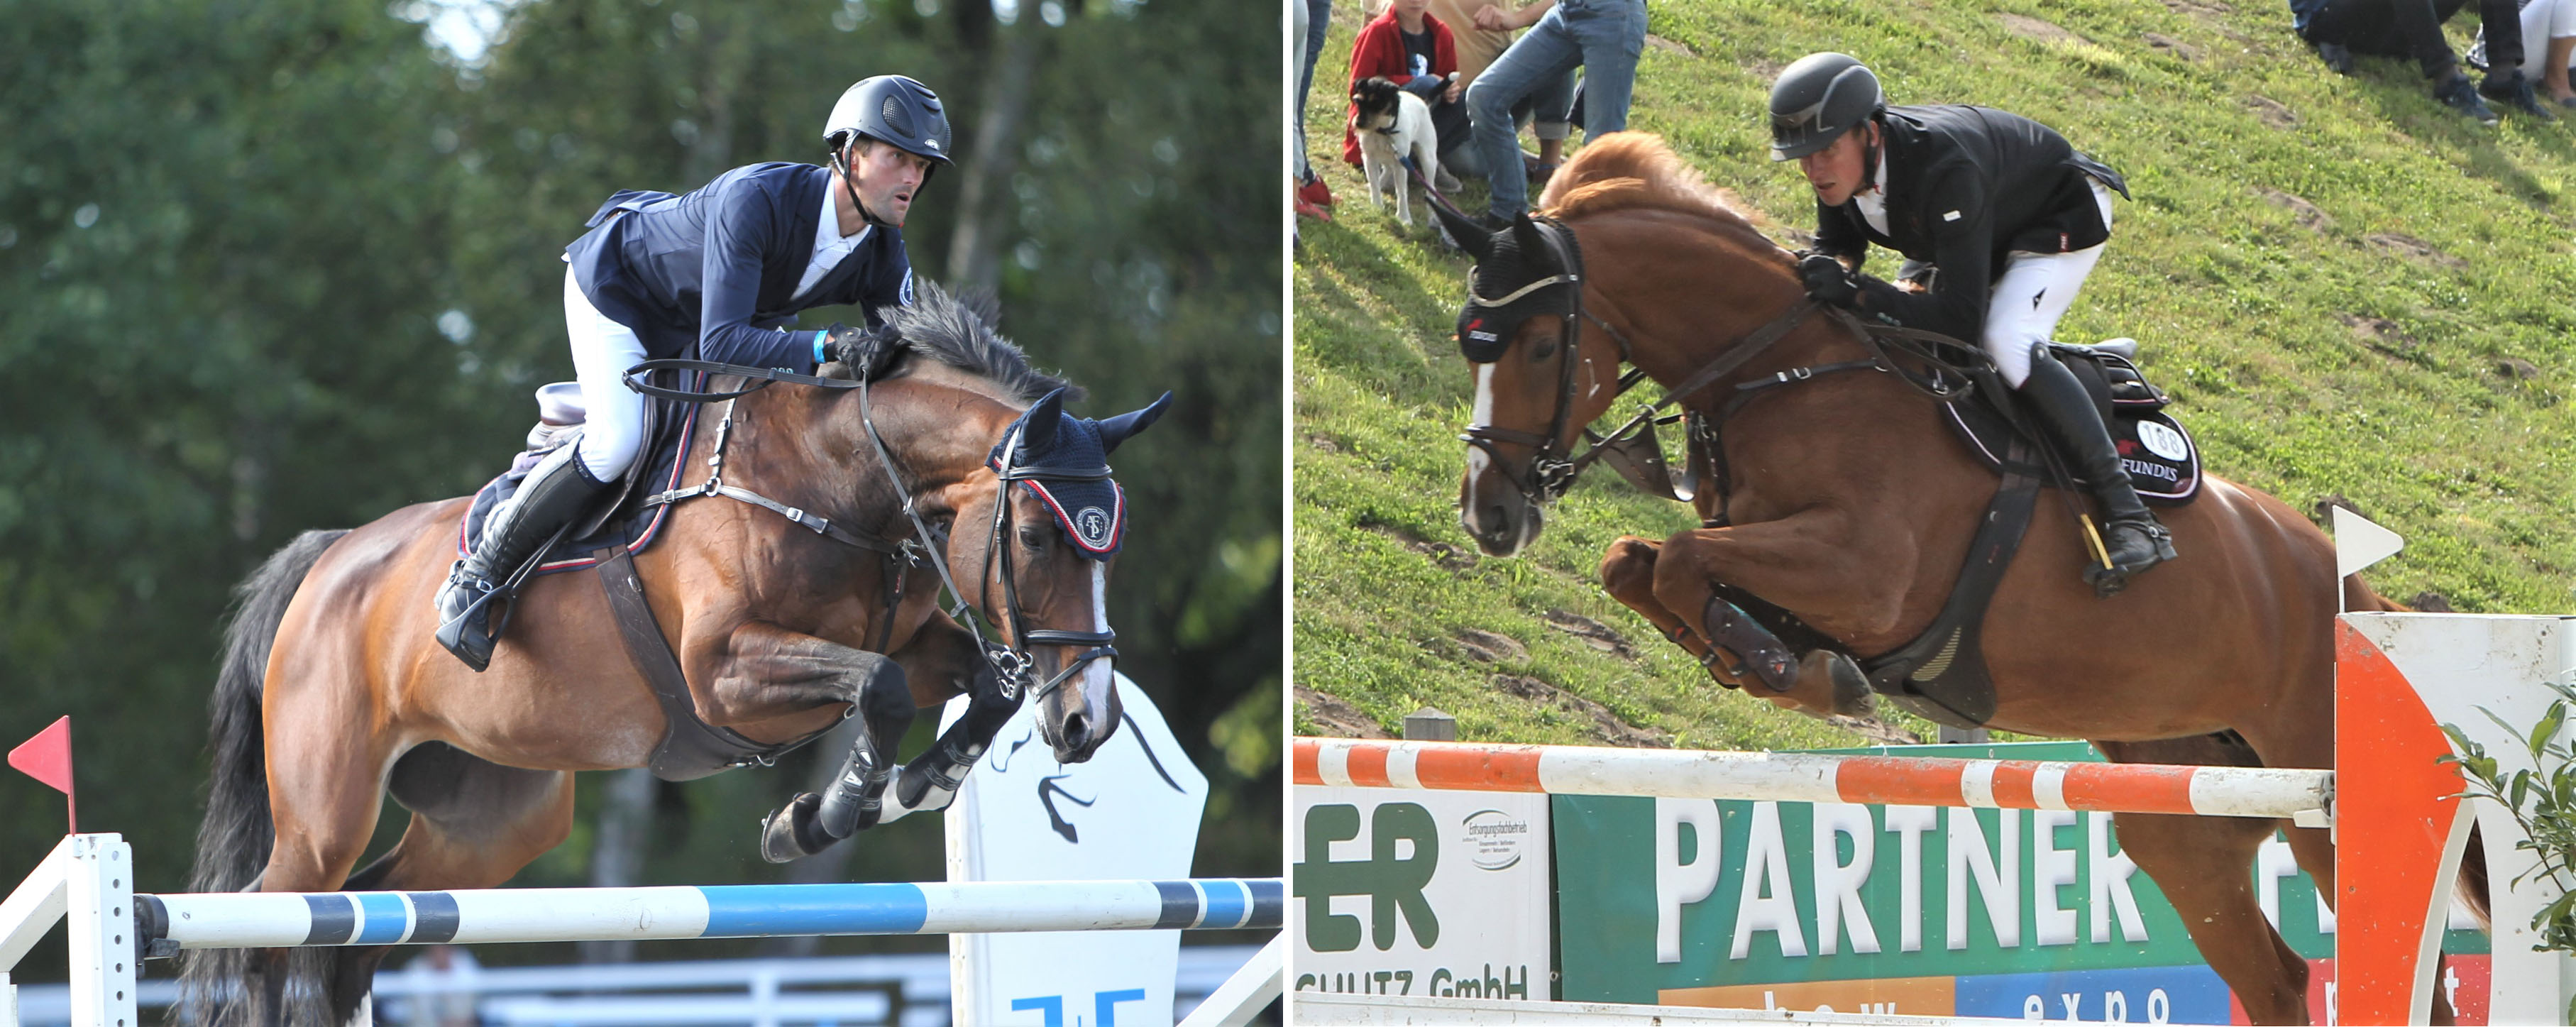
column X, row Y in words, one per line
column 1319, row 14
column 1603, row 37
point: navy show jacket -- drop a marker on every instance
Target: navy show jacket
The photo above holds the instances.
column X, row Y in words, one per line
column 717, row 268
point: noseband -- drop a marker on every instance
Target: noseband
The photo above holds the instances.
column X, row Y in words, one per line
column 1011, row 660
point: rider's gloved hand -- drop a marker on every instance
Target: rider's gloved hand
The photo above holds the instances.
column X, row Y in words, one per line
column 864, row 350
column 1828, row 281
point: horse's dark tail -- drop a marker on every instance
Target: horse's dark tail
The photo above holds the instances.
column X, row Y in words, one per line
column 233, row 842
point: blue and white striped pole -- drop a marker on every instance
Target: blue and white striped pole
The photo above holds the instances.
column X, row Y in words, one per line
column 290, row 919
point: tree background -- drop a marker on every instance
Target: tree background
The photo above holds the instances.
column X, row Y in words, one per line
column 277, row 265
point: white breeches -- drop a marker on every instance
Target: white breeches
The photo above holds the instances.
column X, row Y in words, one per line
column 2035, row 290
column 613, row 427
column 2542, row 21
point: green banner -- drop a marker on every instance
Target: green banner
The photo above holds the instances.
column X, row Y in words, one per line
column 1656, row 895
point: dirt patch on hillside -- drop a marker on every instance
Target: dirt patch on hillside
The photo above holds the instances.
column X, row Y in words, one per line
column 1605, row 725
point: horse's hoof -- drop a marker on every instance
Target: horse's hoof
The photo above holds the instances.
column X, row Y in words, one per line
column 1830, row 681
column 789, row 834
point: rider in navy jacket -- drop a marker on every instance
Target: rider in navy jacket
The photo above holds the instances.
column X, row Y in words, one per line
column 719, row 267
column 716, row 274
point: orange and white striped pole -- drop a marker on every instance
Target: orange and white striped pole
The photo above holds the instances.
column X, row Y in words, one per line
column 2302, row 795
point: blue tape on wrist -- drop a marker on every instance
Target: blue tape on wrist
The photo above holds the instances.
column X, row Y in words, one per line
column 819, row 338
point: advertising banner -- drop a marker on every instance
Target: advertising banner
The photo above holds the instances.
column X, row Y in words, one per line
column 1420, row 893
column 1914, row 910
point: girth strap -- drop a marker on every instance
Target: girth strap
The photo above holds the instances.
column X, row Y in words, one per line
column 690, row 747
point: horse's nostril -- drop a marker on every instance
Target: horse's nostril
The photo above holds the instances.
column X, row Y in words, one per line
column 1077, row 731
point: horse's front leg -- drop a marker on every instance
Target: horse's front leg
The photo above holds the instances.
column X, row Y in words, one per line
column 1816, row 563
column 763, row 671
column 1628, row 574
column 943, row 661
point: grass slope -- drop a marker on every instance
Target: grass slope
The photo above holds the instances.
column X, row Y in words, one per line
column 2348, row 290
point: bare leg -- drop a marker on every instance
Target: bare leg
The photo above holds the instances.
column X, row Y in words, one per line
column 2553, row 70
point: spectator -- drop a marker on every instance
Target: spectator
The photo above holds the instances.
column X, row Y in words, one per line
column 1603, row 37
column 2413, row 28
column 1314, row 17
column 1478, row 48
column 2548, row 41
column 1409, row 47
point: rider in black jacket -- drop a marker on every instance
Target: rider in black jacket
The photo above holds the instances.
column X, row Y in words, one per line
column 2012, row 219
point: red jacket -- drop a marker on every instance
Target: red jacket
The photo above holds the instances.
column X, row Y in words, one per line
column 1380, row 51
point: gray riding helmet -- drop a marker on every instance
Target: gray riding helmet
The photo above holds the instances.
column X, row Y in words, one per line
column 1817, row 99
column 896, row 110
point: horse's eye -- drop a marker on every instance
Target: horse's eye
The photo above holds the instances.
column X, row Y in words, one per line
column 1033, row 537
column 1543, row 351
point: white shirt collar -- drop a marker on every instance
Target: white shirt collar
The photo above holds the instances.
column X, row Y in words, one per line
column 830, row 246
column 1873, row 204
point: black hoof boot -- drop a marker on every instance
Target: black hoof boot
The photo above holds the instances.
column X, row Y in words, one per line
column 1762, row 655
column 855, row 799
column 2135, row 547
column 794, row 831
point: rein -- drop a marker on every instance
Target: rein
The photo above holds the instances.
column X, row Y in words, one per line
column 1011, row 661
column 1552, row 472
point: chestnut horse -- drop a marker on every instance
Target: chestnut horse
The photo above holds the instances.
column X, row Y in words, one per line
column 1850, row 506
column 333, row 692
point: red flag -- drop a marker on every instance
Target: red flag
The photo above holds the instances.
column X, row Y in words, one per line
column 48, row 758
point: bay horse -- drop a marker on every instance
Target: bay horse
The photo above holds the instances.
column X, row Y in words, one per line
column 332, row 691
column 1850, row 507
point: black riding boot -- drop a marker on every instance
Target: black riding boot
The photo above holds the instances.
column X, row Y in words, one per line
column 2131, row 534
column 557, row 490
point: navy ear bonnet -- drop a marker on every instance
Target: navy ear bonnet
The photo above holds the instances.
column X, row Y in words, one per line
column 1063, row 460
column 1517, row 259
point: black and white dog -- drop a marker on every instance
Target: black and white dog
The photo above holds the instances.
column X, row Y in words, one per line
column 1393, row 124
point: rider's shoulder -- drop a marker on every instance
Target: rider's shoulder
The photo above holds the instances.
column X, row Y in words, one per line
column 767, row 175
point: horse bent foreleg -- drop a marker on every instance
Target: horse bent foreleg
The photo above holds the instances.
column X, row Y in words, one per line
column 1811, row 560
column 768, row 671
column 945, row 652
column 1628, row 574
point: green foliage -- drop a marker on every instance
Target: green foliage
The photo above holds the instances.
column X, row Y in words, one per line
column 2542, row 799
column 269, row 267
column 2348, row 290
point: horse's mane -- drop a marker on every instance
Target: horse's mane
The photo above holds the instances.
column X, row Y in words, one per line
column 1633, row 170
column 957, row 332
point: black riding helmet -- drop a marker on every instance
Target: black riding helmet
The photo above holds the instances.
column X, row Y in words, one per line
column 1817, row 99
column 895, row 110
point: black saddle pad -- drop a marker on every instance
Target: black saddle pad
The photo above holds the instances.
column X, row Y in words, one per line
column 2162, row 460
column 631, row 525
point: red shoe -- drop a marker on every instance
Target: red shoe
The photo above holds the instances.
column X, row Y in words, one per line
column 1314, row 193
column 1312, row 211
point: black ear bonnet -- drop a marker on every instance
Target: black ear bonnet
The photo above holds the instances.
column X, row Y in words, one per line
column 1519, row 257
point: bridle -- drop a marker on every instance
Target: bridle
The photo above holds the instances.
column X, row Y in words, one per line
column 1006, row 471
column 1010, row 659
column 1554, row 465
